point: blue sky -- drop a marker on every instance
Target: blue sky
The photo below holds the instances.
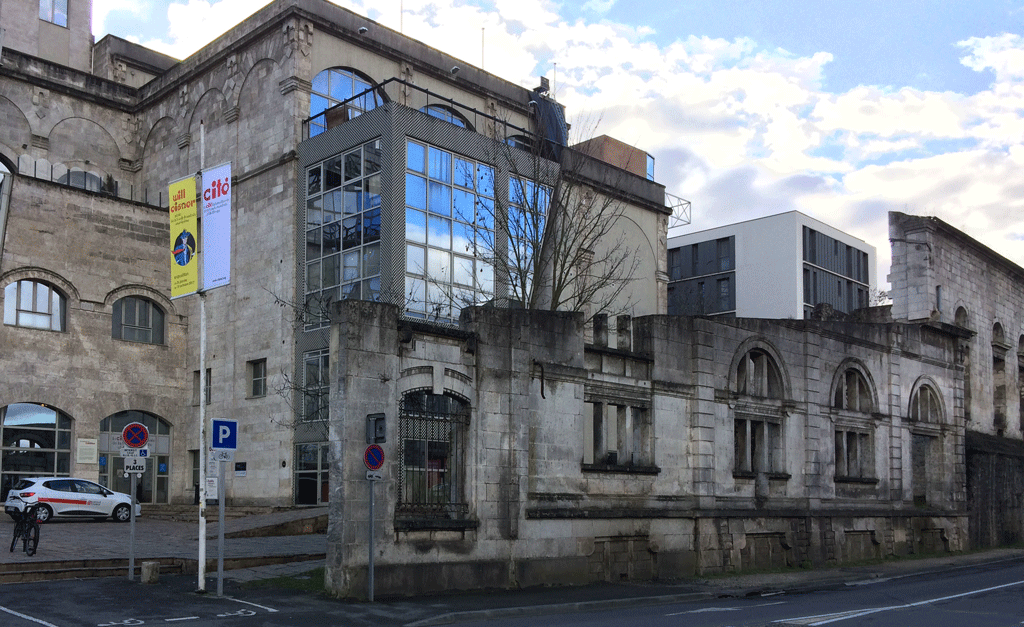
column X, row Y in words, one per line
column 842, row 110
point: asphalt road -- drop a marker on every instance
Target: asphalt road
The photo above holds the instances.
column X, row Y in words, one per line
column 982, row 594
column 979, row 596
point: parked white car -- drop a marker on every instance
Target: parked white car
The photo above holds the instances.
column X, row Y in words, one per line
column 67, row 497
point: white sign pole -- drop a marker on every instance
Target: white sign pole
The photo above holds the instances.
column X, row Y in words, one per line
column 220, row 528
column 202, row 402
column 131, row 542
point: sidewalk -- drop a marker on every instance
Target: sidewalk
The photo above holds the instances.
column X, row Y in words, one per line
column 69, row 544
column 64, row 544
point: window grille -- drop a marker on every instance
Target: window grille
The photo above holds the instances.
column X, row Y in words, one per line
column 431, row 431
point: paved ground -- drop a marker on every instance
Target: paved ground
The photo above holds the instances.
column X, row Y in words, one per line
column 73, row 540
column 68, row 541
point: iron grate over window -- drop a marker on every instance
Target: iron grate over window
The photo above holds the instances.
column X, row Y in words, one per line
column 431, row 430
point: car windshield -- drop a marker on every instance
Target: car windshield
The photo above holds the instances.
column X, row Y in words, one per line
column 24, row 483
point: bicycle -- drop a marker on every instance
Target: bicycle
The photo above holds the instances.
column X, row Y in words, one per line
column 26, row 528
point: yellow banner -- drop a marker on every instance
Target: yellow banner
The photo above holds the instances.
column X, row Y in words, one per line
column 184, row 225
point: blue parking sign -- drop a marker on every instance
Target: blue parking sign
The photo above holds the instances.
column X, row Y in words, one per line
column 225, row 434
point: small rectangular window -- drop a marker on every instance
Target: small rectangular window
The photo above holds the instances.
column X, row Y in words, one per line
column 257, row 370
column 195, row 387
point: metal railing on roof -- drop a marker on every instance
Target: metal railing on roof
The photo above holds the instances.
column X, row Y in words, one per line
column 409, row 95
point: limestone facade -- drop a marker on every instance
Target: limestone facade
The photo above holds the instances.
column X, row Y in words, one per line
column 91, row 138
column 665, row 447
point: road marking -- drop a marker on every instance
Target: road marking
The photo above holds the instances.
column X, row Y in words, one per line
column 20, row 615
column 262, row 607
column 171, row 620
column 825, row 619
column 724, row 609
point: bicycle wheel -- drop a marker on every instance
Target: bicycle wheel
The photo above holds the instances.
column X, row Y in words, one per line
column 17, row 534
column 31, row 539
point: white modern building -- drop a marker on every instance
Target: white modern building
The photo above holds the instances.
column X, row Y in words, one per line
column 779, row 266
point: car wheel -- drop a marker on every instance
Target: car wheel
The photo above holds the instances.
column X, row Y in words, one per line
column 44, row 513
column 122, row 513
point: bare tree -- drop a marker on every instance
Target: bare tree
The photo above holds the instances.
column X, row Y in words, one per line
column 555, row 238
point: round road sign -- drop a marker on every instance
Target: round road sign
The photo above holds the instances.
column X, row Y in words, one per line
column 374, row 457
column 135, row 435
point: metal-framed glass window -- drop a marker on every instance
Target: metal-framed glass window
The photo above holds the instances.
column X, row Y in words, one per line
column 343, row 201
column 334, row 86
column 432, row 432
column 137, row 319
column 315, row 391
column 449, row 222
column 312, row 473
column 34, row 304
column 154, row 485
column 36, row 442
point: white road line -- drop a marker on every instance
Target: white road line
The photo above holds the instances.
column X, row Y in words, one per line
column 171, row 620
column 262, row 607
column 20, row 615
column 832, row 618
column 724, row 609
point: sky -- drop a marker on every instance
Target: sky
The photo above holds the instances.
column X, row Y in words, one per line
column 843, row 110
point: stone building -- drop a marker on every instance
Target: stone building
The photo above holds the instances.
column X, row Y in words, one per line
column 942, row 277
column 523, row 448
column 321, row 113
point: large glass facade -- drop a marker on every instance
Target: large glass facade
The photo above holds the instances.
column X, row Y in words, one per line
column 449, row 228
column 343, row 203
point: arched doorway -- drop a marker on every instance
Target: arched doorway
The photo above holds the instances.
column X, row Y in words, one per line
column 36, row 442
column 153, row 487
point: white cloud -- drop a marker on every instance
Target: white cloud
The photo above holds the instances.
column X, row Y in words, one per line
column 1004, row 55
column 738, row 129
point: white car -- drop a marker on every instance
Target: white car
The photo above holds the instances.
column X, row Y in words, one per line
column 67, row 497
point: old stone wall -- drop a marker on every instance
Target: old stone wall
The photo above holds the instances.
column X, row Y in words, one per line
column 617, row 459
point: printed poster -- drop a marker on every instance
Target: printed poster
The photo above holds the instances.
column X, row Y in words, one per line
column 184, row 226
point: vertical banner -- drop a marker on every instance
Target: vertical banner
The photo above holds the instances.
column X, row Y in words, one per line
column 184, row 272
column 217, row 226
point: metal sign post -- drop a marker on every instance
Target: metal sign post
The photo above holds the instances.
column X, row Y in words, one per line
column 225, row 441
column 135, row 436
column 131, row 542
column 220, row 528
column 374, row 459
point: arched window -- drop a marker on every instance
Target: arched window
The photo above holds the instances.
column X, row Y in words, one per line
column 431, row 435
column 31, row 303
column 153, row 487
column 82, row 180
column 925, row 407
column 999, row 377
column 757, row 424
column 925, row 417
column 36, row 443
column 335, row 86
column 757, row 374
column 447, row 114
column 522, row 142
column 852, row 392
column 138, row 319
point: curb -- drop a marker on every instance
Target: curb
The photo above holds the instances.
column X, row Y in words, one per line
column 557, row 608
